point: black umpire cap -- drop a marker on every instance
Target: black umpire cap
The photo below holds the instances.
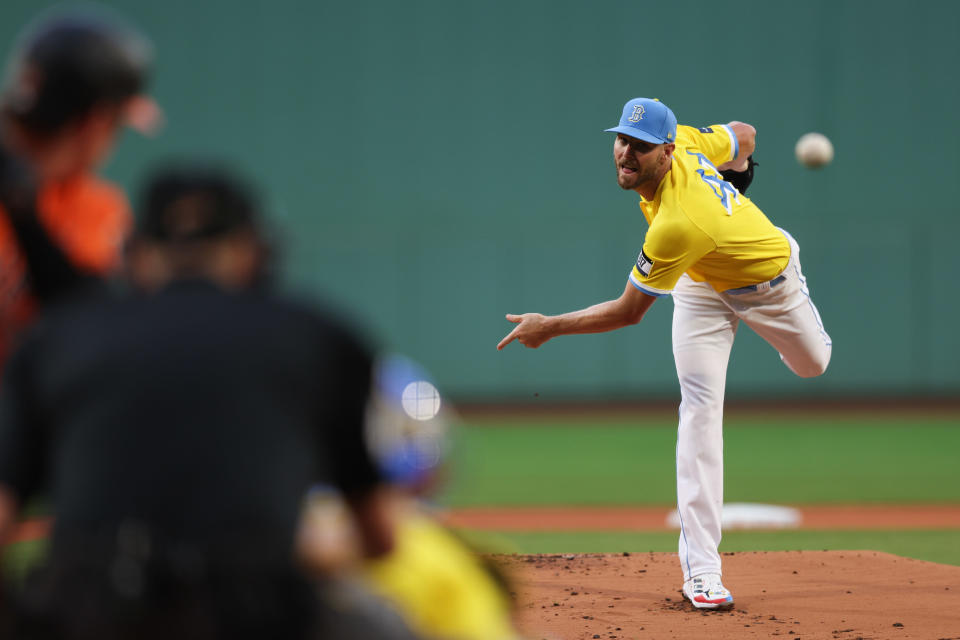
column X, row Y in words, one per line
column 186, row 202
column 69, row 63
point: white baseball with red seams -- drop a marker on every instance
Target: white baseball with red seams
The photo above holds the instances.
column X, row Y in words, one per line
column 814, row 150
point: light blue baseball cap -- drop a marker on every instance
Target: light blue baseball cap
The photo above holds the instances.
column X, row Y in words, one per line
column 649, row 120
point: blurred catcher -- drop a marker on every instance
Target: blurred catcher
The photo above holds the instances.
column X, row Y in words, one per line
column 442, row 587
column 74, row 80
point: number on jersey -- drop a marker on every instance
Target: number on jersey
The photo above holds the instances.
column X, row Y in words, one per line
column 721, row 188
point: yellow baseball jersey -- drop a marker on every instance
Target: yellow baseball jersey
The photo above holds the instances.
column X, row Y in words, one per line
column 440, row 586
column 702, row 226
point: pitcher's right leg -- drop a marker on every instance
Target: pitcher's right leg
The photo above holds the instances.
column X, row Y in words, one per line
column 703, row 332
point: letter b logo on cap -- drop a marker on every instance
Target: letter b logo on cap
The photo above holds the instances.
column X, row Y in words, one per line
column 637, row 114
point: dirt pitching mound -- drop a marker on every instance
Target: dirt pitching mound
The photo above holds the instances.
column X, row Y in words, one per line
column 836, row 595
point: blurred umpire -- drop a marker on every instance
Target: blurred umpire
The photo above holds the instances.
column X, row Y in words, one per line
column 177, row 430
column 72, row 83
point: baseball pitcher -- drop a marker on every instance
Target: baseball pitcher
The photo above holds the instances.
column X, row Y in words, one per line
column 723, row 262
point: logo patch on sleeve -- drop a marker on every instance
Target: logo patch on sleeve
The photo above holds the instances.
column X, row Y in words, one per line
column 644, row 264
column 705, row 130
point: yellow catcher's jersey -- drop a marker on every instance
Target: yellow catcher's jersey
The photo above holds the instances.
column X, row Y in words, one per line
column 440, row 586
column 701, row 225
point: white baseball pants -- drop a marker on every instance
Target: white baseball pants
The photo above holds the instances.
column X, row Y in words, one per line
column 704, row 325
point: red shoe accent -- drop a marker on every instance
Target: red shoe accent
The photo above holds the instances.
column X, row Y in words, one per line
column 705, row 600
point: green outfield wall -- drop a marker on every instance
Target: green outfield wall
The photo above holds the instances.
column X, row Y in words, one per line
column 433, row 165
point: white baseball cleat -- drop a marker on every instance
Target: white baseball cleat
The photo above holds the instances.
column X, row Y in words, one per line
column 706, row 591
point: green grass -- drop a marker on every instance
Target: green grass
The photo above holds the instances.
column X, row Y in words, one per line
column 777, row 459
column 935, row 546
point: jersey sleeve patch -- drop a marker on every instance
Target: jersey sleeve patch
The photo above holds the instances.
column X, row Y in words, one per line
column 644, row 264
column 705, row 130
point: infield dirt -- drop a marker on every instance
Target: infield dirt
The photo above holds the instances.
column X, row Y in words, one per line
column 836, row 595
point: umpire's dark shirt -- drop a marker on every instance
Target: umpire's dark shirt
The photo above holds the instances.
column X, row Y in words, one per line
column 203, row 414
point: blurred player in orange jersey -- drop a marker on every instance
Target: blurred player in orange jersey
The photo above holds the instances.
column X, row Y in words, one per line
column 74, row 80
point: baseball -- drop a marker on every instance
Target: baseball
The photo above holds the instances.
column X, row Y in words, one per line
column 814, row 150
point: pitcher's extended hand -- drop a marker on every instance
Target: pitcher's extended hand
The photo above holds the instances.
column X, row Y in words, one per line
column 531, row 330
